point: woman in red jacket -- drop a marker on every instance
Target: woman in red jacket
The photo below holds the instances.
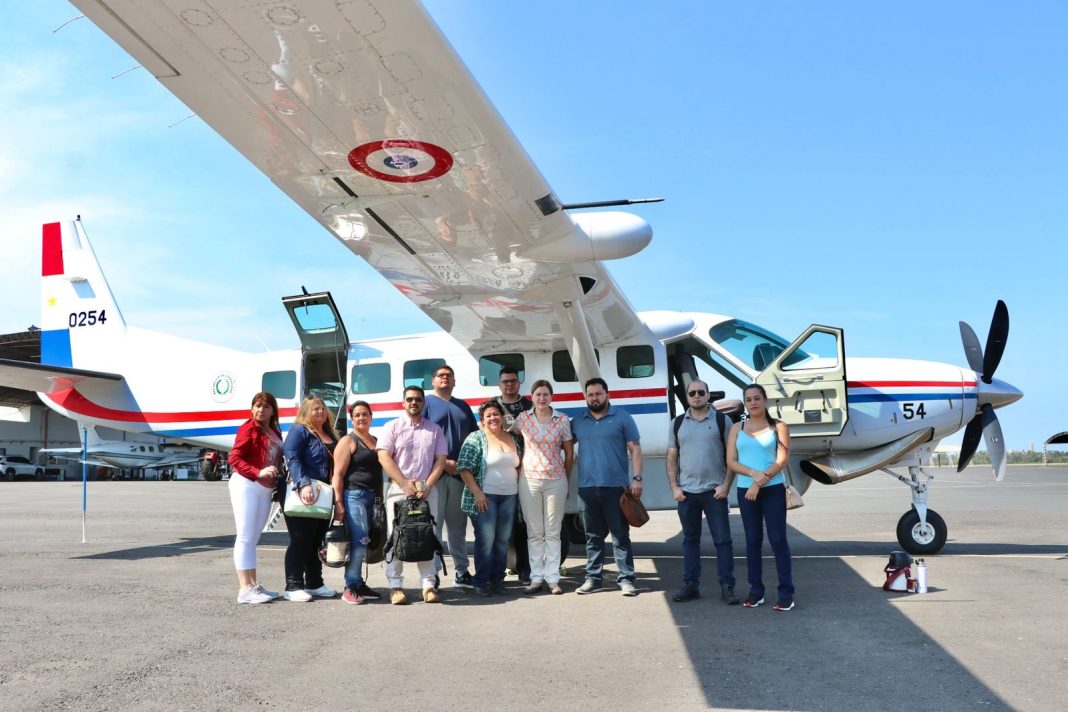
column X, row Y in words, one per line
column 256, row 457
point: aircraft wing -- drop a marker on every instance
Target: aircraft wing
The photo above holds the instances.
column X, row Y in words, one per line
column 363, row 114
column 47, row 379
column 74, row 454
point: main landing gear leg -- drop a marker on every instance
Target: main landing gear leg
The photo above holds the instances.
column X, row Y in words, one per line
column 920, row 531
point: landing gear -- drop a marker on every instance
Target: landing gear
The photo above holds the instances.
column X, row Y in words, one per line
column 918, row 539
column 920, row 531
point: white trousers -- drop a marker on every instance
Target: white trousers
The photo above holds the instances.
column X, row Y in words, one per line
column 543, row 503
column 394, row 566
column 252, row 505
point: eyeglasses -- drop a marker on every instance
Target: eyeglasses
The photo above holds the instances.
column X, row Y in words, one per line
column 697, row 393
column 413, row 400
column 442, row 375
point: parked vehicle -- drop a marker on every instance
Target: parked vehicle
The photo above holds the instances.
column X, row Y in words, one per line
column 13, row 466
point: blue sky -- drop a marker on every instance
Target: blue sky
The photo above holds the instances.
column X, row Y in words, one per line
column 886, row 168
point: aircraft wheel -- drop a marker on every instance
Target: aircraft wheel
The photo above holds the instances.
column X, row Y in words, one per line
column 917, row 542
column 572, row 531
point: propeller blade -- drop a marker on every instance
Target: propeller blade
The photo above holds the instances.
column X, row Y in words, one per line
column 972, row 350
column 995, row 341
column 973, row 433
column 995, row 441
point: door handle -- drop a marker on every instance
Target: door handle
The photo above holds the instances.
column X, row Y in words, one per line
column 802, row 381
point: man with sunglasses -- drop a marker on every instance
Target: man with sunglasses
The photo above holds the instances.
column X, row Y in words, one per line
column 696, row 470
column 412, row 452
column 454, row 417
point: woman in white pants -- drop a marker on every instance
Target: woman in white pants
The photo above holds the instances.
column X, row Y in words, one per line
column 255, row 459
column 544, row 476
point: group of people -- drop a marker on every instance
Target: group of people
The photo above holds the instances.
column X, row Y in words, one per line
column 508, row 474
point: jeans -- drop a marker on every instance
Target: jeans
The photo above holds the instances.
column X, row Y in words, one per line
column 492, row 531
column 715, row 511
column 601, row 517
column 358, row 503
column 770, row 509
column 543, row 503
column 449, row 515
column 304, row 569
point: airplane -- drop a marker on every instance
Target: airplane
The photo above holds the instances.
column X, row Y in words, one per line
column 364, row 116
column 123, row 454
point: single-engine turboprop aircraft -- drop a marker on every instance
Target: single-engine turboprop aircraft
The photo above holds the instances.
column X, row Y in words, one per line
column 363, row 114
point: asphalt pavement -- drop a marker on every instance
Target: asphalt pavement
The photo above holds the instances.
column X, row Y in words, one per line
column 143, row 616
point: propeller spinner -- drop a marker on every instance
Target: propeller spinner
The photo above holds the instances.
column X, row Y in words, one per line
column 992, row 392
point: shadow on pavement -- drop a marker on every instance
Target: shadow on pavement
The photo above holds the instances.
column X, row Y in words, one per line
column 845, row 646
column 184, row 546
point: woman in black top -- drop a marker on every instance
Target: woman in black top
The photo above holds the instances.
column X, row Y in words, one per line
column 357, row 481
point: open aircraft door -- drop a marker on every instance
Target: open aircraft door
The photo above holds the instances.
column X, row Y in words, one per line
column 324, row 346
column 806, row 383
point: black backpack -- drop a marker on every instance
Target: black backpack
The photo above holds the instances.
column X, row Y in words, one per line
column 413, row 537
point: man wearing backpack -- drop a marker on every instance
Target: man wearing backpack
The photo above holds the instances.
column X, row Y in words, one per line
column 412, row 451
column 696, row 468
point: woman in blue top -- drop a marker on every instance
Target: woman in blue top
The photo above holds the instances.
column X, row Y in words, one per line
column 758, row 450
column 308, row 448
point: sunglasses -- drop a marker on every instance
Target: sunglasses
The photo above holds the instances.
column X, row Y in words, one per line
column 697, row 393
column 413, row 400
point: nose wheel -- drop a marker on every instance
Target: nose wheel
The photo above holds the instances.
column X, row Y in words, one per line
column 921, row 538
column 920, row 531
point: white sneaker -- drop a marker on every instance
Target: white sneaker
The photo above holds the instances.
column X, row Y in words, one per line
column 259, row 588
column 323, row 591
column 251, row 595
column 298, row 596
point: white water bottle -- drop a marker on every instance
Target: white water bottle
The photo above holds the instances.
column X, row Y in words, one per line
column 921, row 576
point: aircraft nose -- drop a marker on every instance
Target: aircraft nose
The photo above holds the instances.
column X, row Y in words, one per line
column 998, row 393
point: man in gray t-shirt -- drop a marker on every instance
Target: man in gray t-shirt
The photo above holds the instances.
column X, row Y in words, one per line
column 696, row 471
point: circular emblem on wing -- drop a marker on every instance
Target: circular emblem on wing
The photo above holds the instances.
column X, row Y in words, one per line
column 222, row 389
column 401, row 160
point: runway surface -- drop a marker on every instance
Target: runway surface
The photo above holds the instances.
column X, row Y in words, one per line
column 143, row 616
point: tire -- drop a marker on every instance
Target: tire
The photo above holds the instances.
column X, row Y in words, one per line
column 911, row 539
column 571, row 532
column 9, row 476
column 38, row 474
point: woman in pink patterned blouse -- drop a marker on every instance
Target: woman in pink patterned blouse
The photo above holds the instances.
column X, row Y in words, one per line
column 543, row 483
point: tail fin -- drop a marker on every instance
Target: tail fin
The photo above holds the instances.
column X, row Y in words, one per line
column 79, row 316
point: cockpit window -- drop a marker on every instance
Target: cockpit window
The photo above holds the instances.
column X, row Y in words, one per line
column 753, row 346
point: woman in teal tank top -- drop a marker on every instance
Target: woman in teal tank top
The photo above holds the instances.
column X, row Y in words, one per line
column 758, row 450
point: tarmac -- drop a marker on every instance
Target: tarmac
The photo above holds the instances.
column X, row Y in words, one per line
column 143, row 616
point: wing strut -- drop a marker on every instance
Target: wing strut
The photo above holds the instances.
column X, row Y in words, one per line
column 576, row 333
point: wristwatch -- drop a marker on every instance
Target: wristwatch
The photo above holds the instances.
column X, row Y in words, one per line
column 637, row 478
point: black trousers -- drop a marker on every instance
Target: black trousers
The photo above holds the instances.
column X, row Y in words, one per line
column 303, row 567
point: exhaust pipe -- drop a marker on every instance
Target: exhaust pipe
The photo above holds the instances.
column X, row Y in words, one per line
column 833, row 468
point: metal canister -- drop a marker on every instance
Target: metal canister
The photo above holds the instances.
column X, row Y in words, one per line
column 921, row 576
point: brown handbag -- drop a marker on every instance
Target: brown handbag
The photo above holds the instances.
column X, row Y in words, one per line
column 633, row 509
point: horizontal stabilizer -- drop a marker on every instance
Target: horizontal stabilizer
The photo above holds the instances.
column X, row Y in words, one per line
column 36, row 377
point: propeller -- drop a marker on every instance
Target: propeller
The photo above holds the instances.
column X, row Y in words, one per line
column 984, row 425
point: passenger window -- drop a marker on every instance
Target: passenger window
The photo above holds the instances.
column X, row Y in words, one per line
column 421, row 373
column 564, row 369
column 635, row 361
column 280, row 384
column 489, row 367
column 370, row 378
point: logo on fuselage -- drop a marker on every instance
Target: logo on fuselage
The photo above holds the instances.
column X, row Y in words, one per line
column 222, row 389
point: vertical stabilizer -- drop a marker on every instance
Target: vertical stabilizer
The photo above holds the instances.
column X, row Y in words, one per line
column 79, row 316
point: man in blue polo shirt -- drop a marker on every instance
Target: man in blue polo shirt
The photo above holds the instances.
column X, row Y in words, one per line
column 606, row 436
